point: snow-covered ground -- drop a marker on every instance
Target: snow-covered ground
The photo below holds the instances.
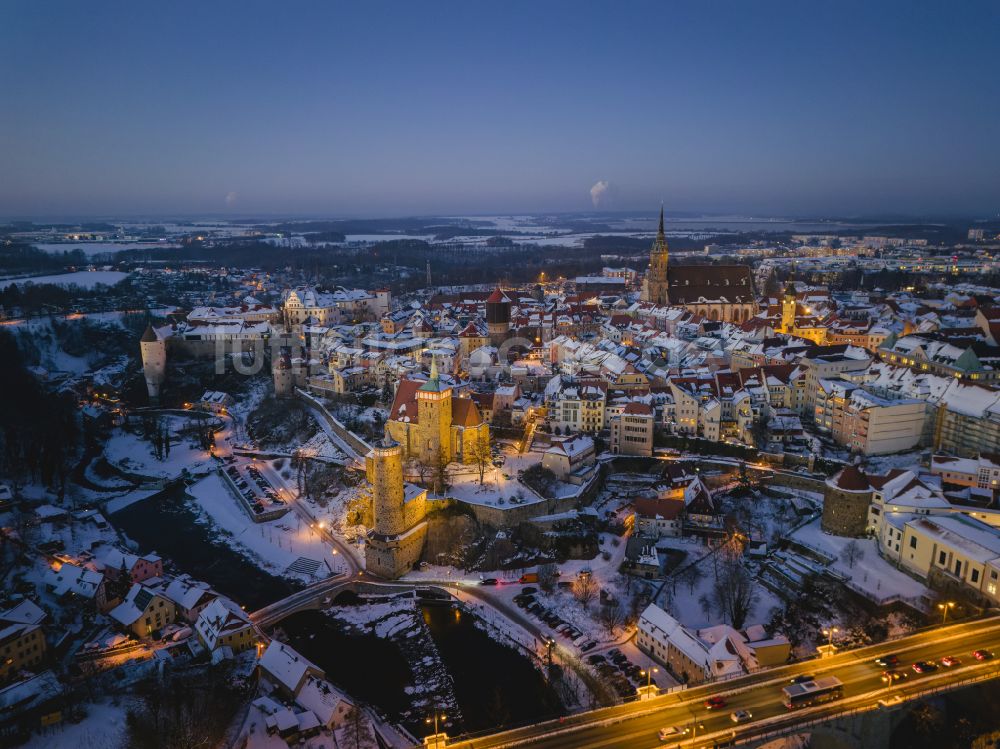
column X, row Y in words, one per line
column 103, row 728
column 133, row 454
column 870, row 572
column 685, row 601
column 501, row 484
column 274, row 545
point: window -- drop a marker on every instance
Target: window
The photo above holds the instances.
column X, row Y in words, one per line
column 942, row 558
column 974, row 576
column 913, row 542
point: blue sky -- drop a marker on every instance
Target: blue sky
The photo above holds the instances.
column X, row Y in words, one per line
column 399, row 108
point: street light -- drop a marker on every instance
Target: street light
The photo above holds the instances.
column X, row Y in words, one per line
column 550, row 645
column 648, row 673
column 944, row 610
column 437, row 715
column 829, row 634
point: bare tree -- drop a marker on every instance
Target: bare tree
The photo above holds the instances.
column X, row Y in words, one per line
column 547, row 575
column 612, row 616
column 584, row 589
column 734, row 592
column 357, row 732
column 482, row 457
column 691, row 576
column 441, row 476
column 852, row 553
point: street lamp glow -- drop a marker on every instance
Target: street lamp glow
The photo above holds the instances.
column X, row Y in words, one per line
column 943, row 608
column 830, row 633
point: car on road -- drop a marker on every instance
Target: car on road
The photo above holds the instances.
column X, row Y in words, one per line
column 982, row 655
column 714, row 703
column 924, row 667
column 488, row 581
column 670, row 732
column 801, row 679
column 887, row 661
column 740, row 716
column 950, row 660
column 890, row 676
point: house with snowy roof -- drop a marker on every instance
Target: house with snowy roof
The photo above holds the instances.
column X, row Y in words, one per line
column 144, row 612
column 712, row 652
column 70, row 580
column 286, row 669
column 189, row 596
column 22, row 640
column 570, row 456
column 111, row 560
column 222, row 623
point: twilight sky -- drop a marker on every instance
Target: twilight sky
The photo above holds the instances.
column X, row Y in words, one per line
column 373, row 108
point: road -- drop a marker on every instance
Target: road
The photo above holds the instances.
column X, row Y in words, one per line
column 637, row 724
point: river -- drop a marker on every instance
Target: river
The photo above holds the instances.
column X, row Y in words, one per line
column 494, row 684
column 165, row 524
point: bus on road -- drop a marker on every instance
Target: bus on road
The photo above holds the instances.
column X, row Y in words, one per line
column 823, row 689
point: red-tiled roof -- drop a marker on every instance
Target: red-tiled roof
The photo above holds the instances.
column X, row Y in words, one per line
column 406, row 395
column 464, row 413
column 651, row 507
column 851, row 479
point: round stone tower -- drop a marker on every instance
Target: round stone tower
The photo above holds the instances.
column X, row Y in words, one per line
column 498, row 315
column 284, row 379
column 846, row 499
column 386, row 477
column 153, row 350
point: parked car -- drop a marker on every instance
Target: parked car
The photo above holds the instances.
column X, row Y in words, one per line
column 590, row 645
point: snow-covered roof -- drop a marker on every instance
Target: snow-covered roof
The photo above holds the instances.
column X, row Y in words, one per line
column 286, row 666
column 221, row 617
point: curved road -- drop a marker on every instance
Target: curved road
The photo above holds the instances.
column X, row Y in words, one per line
column 637, row 724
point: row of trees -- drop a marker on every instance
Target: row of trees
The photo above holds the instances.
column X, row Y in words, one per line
column 39, row 434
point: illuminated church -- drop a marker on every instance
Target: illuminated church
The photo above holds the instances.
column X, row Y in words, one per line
column 434, row 427
column 716, row 292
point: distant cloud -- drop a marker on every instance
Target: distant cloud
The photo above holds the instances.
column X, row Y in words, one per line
column 602, row 193
column 231, row 199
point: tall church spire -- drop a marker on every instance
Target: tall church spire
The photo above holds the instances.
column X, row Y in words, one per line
column 656, row 283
